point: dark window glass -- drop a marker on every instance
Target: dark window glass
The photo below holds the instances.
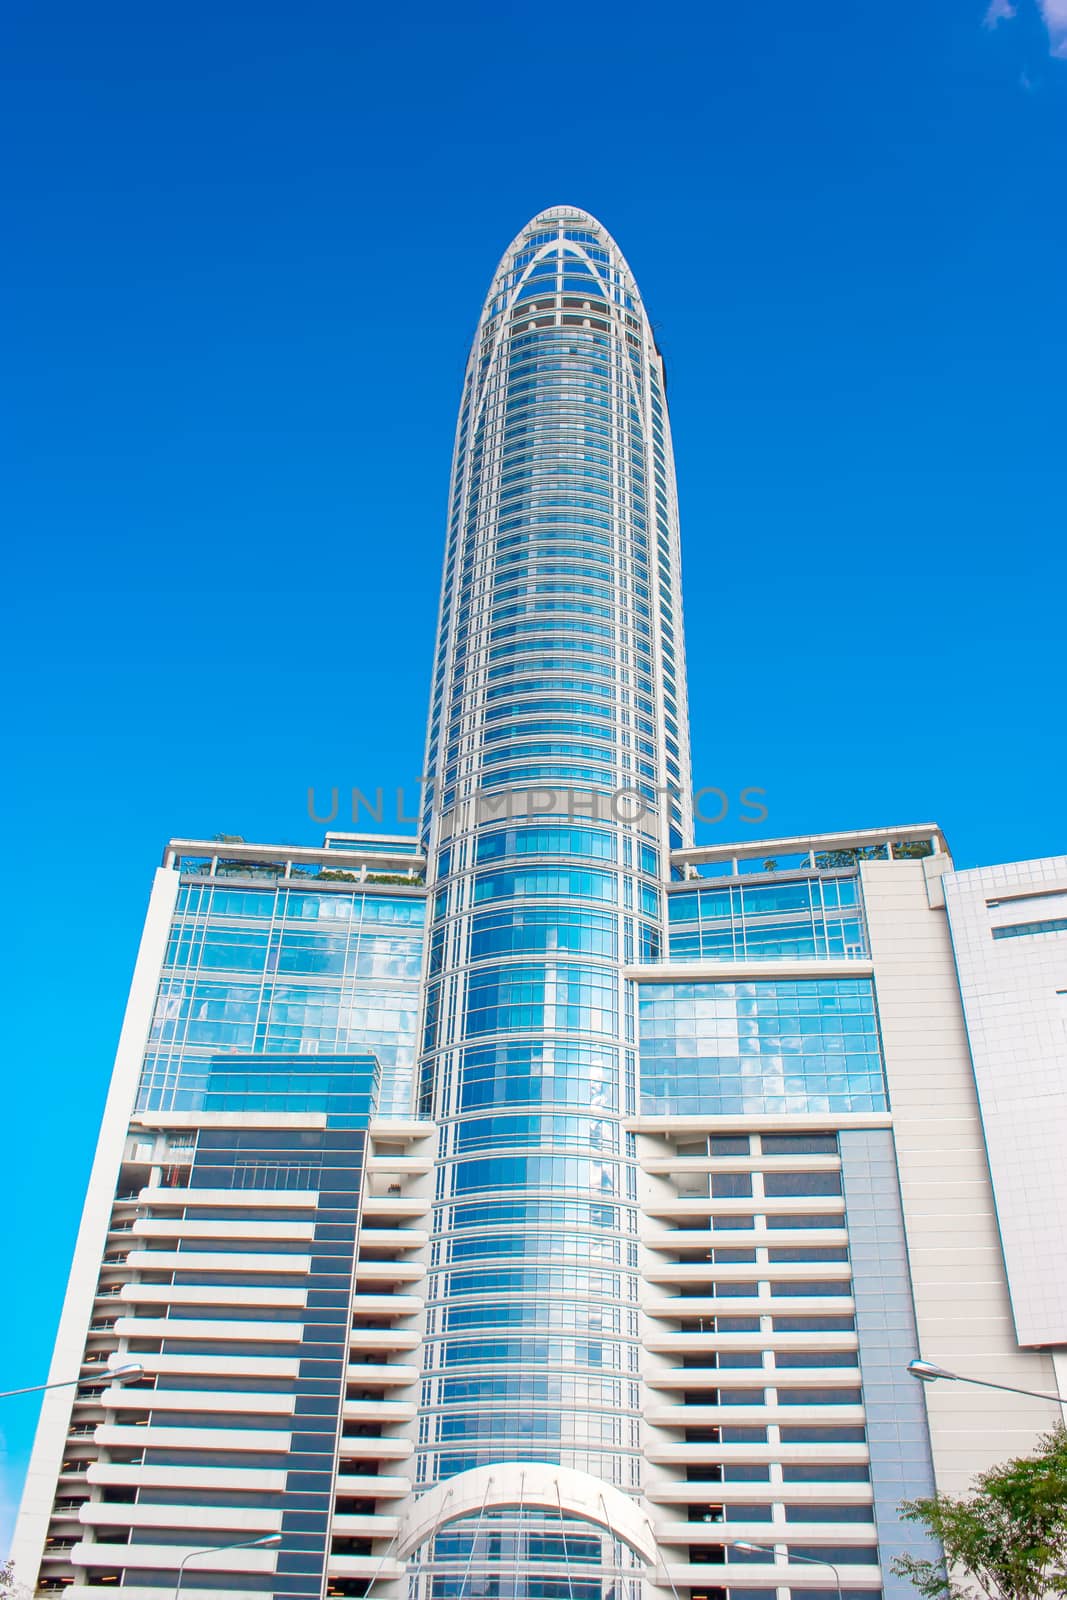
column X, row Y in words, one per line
column 814, row 1433
column 819, row 1397
column 807, row 1252
column 825, row 1472
column 799, row 1144
column 814, row 1511
column 729, row 1145
column 732, row 1185
column 776, row 1185
column 815, row 1358
column 833, row 1323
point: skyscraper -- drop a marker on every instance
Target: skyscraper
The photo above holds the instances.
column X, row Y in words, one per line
column 538, row 1208
column 558, row 715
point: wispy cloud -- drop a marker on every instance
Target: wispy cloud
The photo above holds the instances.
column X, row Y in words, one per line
column 1055, row 14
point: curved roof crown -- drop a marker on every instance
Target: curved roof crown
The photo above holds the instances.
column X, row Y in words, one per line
column 563, row 248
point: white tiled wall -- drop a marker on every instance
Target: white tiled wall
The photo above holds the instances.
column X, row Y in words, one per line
column 1015, row 1004
column 962, row 1311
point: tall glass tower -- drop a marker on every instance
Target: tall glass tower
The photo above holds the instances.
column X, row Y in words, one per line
column 550, row 1207
column 558, row 782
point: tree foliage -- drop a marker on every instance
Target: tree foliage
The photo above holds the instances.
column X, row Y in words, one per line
column 9, row 1588
column 1006, row 1540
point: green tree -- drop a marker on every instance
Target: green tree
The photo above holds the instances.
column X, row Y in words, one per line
column 1006, row 1540
column 10, row 1589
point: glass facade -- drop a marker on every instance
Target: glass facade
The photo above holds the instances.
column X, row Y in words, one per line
column 432, row 1174
column 559, row 686
column 810, row 917
column 285, row 971
column 309, row 1405
column 779, row 1046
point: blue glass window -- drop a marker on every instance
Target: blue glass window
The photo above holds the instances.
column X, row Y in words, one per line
column 807, row 918
column 532, row 931
column 566, row 882
column 547, row 839
column 711, row 1048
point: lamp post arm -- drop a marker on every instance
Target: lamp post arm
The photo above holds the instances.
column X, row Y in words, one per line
column 817, row 1561
column 111, row 1374
column 38, row 1388
column 181, row 1570
column 212, row 1549
column 1008, row 1388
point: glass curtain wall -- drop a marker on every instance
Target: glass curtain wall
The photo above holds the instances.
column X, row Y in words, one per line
column 557, row 781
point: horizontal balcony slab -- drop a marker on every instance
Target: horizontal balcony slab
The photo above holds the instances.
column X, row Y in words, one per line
column 221, row 1478
column 710, row 1238
column 670, row 1163
column 394, row 1205
column 676, row 1342
column 659, row 1416
column 208, row 1328
column 217, row 1261
column 371, row 1272
column 355, row 1449
column 258, row 1439
column 374, row 1372
column 769, row 1575
column 401, row 1305
column 394, row 1238
column 700, row 1306
column 240, row 1520
column 403, row 1127
column 697, row 1272
column 753, row 1416
column 234, row 1400
column 703, row 1416
column 167, row 1557
column 682, row 1453
column 98, row 1591
column 666, row 1205
column 227, row 1119
column 379, row 1411
column 235, row 1228
column 839, row 1533
column 697, row 1378
column 377, row 1484
column 668, row 1491
column 744, row 1377
column 187, row 1294
column 250, row 1367
column 384, row 1338
column 239, row 1199
column 378, row 1567
column 373, row 1527
column 406, row 1166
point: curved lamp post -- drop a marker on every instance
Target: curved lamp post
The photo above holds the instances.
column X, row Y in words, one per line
column 930, row 1372
column 114, row 1375
column 265, row 1541
column 766, row 1550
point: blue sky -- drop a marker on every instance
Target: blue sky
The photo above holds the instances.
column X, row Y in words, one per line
column 247, row 246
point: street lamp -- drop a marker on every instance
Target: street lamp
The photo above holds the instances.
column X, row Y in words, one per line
column 128, row 1374
column 812, row 1561
column 929, row 1372
column 264, row 1542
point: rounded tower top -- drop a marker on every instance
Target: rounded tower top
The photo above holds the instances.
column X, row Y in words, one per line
column 583, row 246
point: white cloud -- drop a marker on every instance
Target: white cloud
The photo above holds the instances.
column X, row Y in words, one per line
column 1055, row 14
